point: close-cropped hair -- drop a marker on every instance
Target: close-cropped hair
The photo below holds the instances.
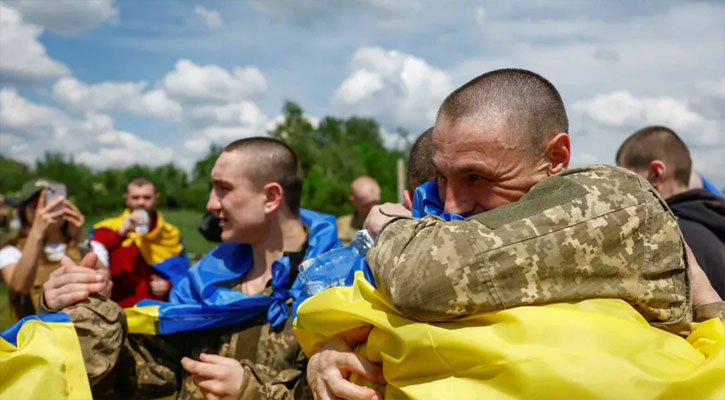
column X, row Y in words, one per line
column 140, row 181
column 271, row 160
column 420, row 161
column 527, row 105
column 656, row 143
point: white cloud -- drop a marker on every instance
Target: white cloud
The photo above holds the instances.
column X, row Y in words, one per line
column 67, row 16
column 307, row 12
column 116, row 96
column 120, row 149
column 602, row 123
column 211, row 18
column 23, row 59
column 30, row 129
column 398, row 88
column 622, row 109
column 193, row 83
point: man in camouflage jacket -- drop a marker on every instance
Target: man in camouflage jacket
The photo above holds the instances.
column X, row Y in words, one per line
column 256, row 192
column 535, row 231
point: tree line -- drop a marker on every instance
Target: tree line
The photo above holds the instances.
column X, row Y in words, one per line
column 331, row 155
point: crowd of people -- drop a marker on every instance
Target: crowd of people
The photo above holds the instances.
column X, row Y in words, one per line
column 492, row 219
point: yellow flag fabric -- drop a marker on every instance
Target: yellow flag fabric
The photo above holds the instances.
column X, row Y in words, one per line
column 43, row 361
column 143, row 319
column 592, row 349
column 155, row 246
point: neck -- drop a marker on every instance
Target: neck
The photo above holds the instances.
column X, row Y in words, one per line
column 671, row 190
column 285, row 234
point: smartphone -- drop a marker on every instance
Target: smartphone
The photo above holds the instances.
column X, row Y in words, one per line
column 53, row 191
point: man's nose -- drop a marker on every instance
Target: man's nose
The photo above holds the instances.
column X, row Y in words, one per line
column 457, row 201
column 213, row 203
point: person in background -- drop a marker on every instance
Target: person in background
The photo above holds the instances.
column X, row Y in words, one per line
column 48, row 232
column 533, row 230
column 257, row 186
column 364, row 194
column 420, row 166
column 659, row 155
column 131, row 243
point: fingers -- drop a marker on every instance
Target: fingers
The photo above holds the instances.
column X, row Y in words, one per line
column 90, row 260
column 355, row 335
column 201, row 369
column 53, row 204
column 354, row 362
column 64, row 300
column 41, row 200
column 215, row 359
column 348, row 390
column 72, row 206
column 66, row 262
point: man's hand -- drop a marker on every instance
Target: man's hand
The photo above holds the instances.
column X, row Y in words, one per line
column 376, row 220
column 218, row 377
column 72, row 283
column 702, row 291
column 159, row 286
column 329, row 368
column 131, row 221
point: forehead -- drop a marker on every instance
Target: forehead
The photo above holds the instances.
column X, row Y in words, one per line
column 144, row 189
column 230, row 167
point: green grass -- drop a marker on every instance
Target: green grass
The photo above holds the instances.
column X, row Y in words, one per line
column 5, row 320
column 187, row 222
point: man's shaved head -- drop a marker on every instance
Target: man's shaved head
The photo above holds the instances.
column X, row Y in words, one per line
column 656, row 143
column 271, row 160
column 420, row 161
column 365, row 193
column 528, row 105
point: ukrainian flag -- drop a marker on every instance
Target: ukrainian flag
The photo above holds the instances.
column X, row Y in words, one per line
column 40, row 358
column 591, row 349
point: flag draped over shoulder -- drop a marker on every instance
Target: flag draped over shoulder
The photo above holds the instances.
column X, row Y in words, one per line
column 197, row 301
column 591, row 349
column 155, row 246
column 40, row 358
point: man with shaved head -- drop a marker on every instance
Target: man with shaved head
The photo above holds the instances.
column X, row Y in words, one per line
column 237, row 339
column 536, row 231
column 364, row 194
column 659, row 155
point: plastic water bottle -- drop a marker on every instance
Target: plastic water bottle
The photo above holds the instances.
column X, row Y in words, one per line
column 332, row 268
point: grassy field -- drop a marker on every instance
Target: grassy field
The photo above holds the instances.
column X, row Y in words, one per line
column 187, row 222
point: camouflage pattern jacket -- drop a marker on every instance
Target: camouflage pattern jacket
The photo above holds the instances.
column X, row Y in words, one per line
column 133, row 366
column 593, row 232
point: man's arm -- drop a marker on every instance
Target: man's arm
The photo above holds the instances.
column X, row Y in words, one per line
column 586, row 233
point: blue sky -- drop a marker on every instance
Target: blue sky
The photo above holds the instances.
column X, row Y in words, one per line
column 123, row 82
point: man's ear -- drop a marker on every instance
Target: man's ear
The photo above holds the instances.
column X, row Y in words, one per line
column 657, row 173
column 273, row 197
column 158, row 196
column 558, row 153
column 408, row 199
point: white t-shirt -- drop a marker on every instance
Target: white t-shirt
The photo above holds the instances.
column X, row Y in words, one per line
column 11, row 254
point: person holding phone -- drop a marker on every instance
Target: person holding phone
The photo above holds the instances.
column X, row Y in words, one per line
column 51, row 226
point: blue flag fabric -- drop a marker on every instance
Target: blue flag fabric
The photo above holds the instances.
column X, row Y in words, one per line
column 197, row 302
column 425, row 202
column 11, row 333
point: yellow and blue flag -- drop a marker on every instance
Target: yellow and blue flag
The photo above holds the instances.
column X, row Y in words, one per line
column 40, row 358
column 591, row 349
column 205, row 299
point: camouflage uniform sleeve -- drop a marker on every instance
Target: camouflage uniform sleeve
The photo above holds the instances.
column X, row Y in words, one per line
column 263, row 382
column 131, row 366
column 595, row 232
